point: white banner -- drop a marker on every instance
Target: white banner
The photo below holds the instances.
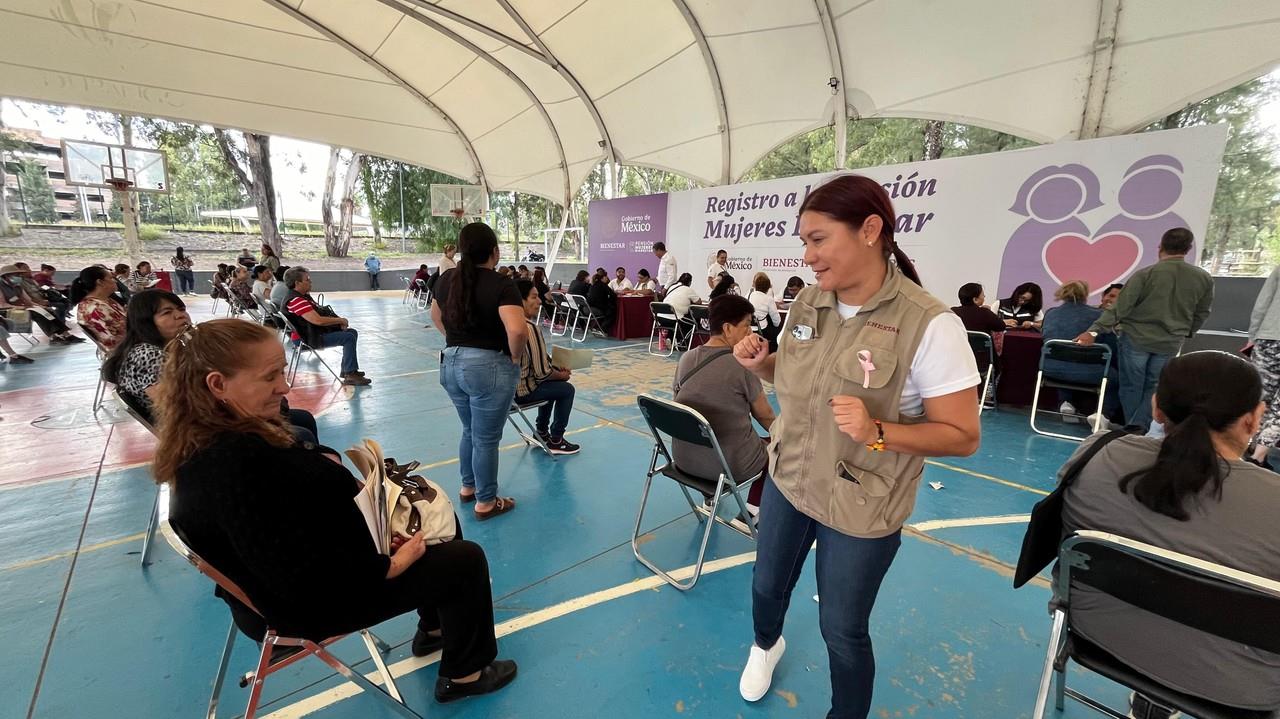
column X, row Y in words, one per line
column 1091, row 210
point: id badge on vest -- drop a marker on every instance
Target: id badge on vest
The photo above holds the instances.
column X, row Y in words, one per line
column 804, row 333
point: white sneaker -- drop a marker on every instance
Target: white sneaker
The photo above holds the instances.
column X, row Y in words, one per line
column 758, row 674
column 1068, row 412
column 1104, row 425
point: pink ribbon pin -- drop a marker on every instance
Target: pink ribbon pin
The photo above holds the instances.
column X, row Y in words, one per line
column 864, row 359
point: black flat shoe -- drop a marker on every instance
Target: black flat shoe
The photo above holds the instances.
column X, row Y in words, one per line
column 492, row 678
column 424, row 644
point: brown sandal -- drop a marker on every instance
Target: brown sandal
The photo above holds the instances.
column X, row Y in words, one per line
column 466, row 498
column 501, row 505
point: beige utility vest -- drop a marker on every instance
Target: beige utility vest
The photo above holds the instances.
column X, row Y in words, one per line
column 823, row 472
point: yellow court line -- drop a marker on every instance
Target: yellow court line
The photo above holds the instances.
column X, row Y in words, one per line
column 64, row 555
column 987, row 477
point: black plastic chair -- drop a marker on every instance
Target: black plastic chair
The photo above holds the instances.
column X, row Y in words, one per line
column 984, row 351
column 1245, row 609
column 666, row 319
column 684, row 423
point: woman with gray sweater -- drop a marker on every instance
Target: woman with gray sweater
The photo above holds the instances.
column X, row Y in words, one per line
column 1189, row 493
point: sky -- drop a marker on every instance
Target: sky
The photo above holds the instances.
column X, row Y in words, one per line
column 299, row 165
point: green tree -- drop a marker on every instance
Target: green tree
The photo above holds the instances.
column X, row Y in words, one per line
column 199, row 178
column 1244, row 213
column 380, row 180
column 37, row 193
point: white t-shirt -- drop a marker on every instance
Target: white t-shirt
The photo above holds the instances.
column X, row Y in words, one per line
column 680, row 297
column 642, row 285
column 943, row 363
column 446, row 264
column 623, row 286
column 714, row 271
column 263, row 289
column 668, row 273
column 765, row 307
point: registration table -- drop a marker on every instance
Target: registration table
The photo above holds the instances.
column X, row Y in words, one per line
column 1018, row 363
column 634, row 317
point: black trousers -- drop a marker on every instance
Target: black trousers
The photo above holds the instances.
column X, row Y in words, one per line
column 448, row 587
column 48, row 326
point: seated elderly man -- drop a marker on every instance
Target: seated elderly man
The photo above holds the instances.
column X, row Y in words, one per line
column 319, row 326
column 12, row 295
column 50, row 299
column 711, row 381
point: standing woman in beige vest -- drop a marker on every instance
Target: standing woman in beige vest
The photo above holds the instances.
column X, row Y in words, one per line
column 872, row 375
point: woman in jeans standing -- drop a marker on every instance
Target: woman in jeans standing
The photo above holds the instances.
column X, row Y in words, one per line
column 182, row 268
column 872, row 375
column 485, row 332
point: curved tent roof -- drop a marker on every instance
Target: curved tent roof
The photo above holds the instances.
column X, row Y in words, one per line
column 529, row 95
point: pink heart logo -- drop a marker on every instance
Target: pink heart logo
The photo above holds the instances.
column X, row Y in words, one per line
column 1098, row 261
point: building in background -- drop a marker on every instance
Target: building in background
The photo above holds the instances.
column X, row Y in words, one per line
column 71, row 204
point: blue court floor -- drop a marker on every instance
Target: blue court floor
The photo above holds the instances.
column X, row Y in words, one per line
column 87, row 633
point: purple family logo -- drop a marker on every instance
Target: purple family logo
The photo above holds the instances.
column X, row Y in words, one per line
column 1054, row 245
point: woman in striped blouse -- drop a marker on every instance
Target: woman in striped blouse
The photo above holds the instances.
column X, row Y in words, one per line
column 541, row 381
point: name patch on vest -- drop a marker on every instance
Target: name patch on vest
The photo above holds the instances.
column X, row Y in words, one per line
column 885, row 328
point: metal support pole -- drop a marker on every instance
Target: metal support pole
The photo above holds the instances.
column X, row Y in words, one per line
column 403, row 249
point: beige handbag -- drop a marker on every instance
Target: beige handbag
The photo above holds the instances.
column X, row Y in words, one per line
column 413, row 503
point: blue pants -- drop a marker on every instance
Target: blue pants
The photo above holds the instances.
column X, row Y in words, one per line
column 1139, row 371
column 1084, row 374
column 558, row 395
column 186, row 281
column 346, row 339
column 849, row 572
column 481, row 383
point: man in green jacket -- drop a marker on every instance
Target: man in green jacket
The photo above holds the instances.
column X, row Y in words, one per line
column 1159, row 308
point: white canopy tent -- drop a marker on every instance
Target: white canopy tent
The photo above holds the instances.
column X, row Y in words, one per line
column 529, row 95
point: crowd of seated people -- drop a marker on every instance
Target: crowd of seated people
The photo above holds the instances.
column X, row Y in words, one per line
column 323, row 328
column 728, row 395
column 15, row 295
column 233, row 465
column 1191, row 493
column 97, row 310
column 155, row 318
column 541, row 381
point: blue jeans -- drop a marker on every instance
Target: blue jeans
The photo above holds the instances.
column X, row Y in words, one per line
column 849, row 571
column 1139, row 371
column 1085, row 374
column 186, row 281
column 481, row 383
column 558, row 395
column 346, row 339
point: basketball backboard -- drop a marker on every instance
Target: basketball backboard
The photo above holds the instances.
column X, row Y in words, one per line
column 94, row 164
column 458, row 201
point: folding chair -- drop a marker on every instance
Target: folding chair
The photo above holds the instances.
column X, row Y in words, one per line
column 583, row 310
column 1177, row 587
column 665, row 318
column 269, row 660
column 139, row 413
column 686, row 424
column 214, row 309
column 562, row 304
column 99, row 393
column 531, row 438
column 700, row 316
column 408, row 290
column 293, row 322
column 984, row 350
column 1097, row 356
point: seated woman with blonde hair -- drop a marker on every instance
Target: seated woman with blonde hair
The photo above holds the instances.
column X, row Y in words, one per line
column 302, row 553
column 1066, row 322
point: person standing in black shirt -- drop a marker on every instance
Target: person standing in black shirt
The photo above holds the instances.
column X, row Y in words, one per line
column 482, row 314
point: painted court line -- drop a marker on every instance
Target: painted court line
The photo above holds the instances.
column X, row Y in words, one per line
column 932, row 524
column 987, row 477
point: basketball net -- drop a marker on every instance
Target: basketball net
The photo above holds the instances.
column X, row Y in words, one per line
column 458, row 212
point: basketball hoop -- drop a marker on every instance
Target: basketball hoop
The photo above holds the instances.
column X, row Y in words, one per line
column 119, row 184
column 457, row 213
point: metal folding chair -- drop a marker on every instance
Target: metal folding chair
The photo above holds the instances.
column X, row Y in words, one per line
column 270, row 661
column 684, row 423
column 26, row 332
column 584, row 314
column 140, row 414
column 100, row 392
column 1177, row 587
column 1097, row 356
column 666, row 319
column 531, row 438
column 984, row 351
column 216, row 298
column 292, row 323
column 563, row 312
column 700, row 317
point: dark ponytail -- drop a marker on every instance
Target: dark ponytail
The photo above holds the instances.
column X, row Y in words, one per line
column 84, row 284
column 476, row 243
column 1200, row 393
column 851, row 199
